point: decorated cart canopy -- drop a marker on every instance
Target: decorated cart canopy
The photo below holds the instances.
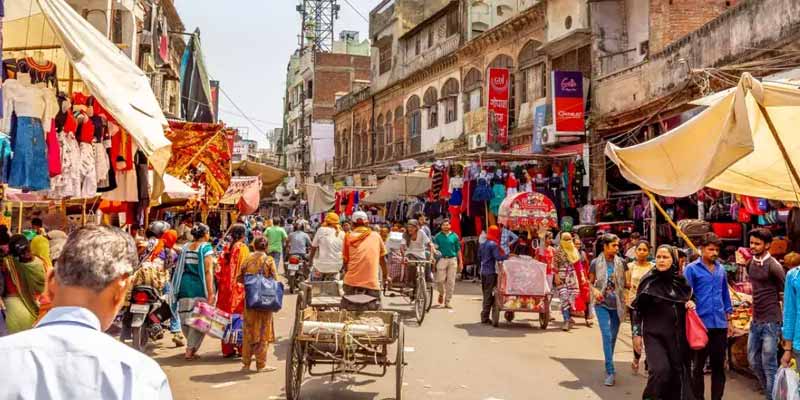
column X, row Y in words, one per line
column 528, row 210
column 201, row 154
column 100, row 66
column 745, row 142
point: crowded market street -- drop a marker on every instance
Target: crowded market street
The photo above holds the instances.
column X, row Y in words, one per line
column 452, row 356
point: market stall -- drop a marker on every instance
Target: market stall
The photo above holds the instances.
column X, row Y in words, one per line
column 101, row 125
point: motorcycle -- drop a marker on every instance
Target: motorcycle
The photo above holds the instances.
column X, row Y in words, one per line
column 148, row 310
column 296, row 271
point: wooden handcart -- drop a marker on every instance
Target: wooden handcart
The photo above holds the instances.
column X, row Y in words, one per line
column 513, row 302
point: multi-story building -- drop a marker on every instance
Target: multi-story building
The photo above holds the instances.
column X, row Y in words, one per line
column 429, row 65
column 654, row 57
column 160, row 52
column 313, row 81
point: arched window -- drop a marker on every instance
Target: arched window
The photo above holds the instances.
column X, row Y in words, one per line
column 357, row 144
column 430, row 100
column 473, row 90
column 450, row 99
column 365, row 144
column 533, row 73
column 380, row 140
column 505, row 61
column 414, row 124
column 387, row 152
column 346, row 152
column 399, row 133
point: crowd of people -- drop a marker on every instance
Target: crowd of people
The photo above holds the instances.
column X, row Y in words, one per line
column 72, row 303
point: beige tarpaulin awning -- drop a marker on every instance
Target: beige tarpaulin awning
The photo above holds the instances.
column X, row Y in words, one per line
column 729, row 146
column 396, row 187
column 108, row 73
column 320, row 199
column 271, row 177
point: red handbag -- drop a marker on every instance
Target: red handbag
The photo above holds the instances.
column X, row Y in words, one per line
column 696, row 332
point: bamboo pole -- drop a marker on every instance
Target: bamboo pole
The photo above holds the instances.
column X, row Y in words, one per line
column 669, row 220
column 83, row 213
column 19, row 220
column 779, row 142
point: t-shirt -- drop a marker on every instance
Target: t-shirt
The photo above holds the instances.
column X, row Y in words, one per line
column 299, row 242
column 767, row 278
column 419, row 246
column 448, row 244
column 362, row 251
column 637, row 272
column 275, row 236
column 610, row 293
column 328, row 258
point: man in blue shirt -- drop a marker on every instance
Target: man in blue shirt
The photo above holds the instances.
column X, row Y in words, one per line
column 710, row 285
column 489, row 253
column 507, row 239
column 67, row 355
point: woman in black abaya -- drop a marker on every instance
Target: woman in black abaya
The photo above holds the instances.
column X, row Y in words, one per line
column 659, row 320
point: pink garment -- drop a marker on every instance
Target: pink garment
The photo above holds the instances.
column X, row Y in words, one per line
column 53, row 151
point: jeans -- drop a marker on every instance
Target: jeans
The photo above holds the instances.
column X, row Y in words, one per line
column 716, row 349
column 609, row 328
column 277, row 257
column 762, row 353
column 488, row 284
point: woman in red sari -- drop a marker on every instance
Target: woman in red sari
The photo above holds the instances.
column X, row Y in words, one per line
column 231, row 293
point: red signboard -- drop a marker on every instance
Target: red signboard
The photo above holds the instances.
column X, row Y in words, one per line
column 499, row 91
column 568, row 105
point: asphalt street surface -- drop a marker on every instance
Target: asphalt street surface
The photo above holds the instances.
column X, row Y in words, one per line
column 451, row 356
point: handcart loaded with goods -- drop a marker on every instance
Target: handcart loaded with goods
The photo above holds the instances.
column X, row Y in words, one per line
column 522, row 284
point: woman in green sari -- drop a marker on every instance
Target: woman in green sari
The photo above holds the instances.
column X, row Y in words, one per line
column 24, row 277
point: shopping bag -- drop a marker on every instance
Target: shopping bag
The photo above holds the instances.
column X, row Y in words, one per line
column 786, row 385
column 263, row 292
column 696, row 332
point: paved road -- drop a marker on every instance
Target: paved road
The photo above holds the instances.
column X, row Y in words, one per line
column 450, row 357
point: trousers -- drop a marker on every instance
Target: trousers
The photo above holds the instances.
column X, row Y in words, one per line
column 608, row 320
column 762, row 353
column 717, row 340
column 488, row 284
column 446, row 270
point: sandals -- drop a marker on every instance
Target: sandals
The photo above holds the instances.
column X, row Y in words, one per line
column 635, row 367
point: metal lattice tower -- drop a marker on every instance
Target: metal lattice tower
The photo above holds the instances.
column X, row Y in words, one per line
column 317, row 26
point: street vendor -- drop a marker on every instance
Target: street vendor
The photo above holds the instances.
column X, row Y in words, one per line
column 363, row 254
column 490, row 253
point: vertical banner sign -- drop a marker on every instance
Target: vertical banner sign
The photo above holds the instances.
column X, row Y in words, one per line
column 214, row 99
column 499, row 91
column 539, row 121
column 568, row 105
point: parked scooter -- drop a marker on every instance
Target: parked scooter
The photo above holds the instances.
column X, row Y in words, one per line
column 148, row 310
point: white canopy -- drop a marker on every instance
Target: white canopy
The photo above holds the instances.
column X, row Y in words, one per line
column 396, row 187
column 728, row 146
column 110, row 75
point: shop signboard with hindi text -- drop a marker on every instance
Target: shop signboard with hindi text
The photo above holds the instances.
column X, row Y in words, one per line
column 499, row 86
column 568, row 103
column 540, row 107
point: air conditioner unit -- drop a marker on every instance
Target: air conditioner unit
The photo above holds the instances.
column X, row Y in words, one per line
column 476, row 141
column 548, row 134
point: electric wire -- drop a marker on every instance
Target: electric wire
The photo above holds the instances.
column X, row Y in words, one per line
column 356, row 10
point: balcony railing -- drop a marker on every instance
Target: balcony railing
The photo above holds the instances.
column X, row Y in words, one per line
column 431, row 55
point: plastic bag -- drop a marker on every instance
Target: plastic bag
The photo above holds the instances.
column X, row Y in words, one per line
column 786, row 385
column 696, row 333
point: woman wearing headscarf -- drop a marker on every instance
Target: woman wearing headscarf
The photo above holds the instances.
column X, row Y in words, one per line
column 170, row 258
column 193, row 281
column 259, row 330
column 231, row 292
column 659, row 322
column 564, row 277
column 584, row 299
column 24, row 276
column 40, row 248
column 634, row 273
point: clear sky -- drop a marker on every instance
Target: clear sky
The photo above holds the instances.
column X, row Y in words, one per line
column 247, row 44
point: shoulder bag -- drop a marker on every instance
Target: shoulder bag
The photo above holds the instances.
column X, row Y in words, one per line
column 263, row 292
column 696, row 333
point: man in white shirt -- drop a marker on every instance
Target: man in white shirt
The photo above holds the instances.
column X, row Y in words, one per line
column 326, row 248
column 67, row 355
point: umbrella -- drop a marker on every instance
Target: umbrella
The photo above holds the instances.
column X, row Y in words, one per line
column 527, row 210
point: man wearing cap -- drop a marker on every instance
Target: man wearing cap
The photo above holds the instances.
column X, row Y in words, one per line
column 326, row 248
column 363, row 257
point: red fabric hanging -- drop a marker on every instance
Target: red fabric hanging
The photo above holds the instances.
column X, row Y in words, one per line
column 444, row 193
column 570, row 182
column 337, row 203
column 53, row 151
column 455, row 219
column 351, row 204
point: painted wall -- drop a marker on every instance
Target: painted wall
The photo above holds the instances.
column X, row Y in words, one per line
column 558, row 11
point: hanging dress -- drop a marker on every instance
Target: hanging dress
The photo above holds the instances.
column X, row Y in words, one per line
column 32, row 109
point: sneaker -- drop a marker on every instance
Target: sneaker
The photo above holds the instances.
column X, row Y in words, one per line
column 178, row 339
column 610, row 381
column 565, row 326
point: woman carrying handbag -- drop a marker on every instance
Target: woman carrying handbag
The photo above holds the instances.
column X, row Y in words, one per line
column 259, row 330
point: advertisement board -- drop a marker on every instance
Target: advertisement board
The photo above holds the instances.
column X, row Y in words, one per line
column 499, row 88
column 568, row 103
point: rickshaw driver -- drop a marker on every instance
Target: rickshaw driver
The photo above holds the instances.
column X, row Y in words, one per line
column 364, row 261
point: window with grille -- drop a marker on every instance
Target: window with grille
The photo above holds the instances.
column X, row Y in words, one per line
column 385, row 58
column 450, row 98
column 452, row 23
column 473, row 88
column 430, row 99
column 430, row 38
column 380, row 131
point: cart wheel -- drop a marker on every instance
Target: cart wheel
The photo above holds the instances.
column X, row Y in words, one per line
column 399, row 363
column 509, row 316
column 294, row 369
column 496, row 313
column 419, row 300
column 544, row 318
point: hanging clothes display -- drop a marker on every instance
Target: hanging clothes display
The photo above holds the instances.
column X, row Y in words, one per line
column 122, row 150
column 40, row 73
column 28, row 110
